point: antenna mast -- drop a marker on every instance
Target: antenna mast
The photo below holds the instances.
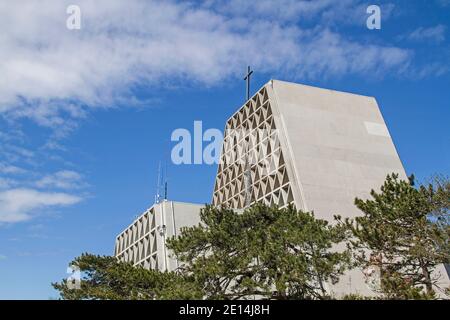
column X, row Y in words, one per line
column 158, row 185
column 161, row 184
column 165, row 182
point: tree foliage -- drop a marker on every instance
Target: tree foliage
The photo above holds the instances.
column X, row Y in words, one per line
column 106, row 278
column 405, row 232
column 265, row 252
column 271, row 253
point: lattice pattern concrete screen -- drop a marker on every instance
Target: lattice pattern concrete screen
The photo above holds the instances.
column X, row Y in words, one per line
column 138, row 243
column 252, row 166
column 144, row 241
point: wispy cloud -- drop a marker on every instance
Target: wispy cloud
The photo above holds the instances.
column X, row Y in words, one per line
column 10, row 169
column 323, row 12
column 2, row 257
column 435, row 34
column 7, row 172
column 18, row 205
column 65, row 179
column 53, row 75
column 25, row 191
column 443, row 3
column 6, row 183
column 25, row 194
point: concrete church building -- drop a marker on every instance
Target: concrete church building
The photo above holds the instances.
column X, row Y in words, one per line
column 319, row 149
column 290, row 143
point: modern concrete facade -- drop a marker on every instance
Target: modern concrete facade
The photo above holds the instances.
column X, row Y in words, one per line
column 323, row 148
column 144, row 241
column 315, row 148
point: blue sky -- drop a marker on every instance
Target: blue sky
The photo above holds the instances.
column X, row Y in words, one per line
column 86, row 115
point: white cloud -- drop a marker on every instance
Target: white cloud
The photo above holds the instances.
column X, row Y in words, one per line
column 435, row 34
column 281, row 10
column 332, row 54
column 53, row 75
column 2, row 257
column 10, row 169
column 65, row 179
column 25, row 192
column 433, row 68
column 444, row 3
column 323, row 12
column 5, row 183
column 18, row 205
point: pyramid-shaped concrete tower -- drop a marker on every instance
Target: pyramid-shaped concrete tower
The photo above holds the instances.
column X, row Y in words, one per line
column 313, row 147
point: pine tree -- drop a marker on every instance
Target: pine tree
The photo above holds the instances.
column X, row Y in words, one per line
column 264, row 252
column 106, row 278
column 405, row 232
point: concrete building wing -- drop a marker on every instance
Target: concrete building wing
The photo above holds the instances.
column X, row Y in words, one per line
column 143, row 243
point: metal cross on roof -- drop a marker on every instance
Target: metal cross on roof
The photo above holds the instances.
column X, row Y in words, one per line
column 247, row 78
